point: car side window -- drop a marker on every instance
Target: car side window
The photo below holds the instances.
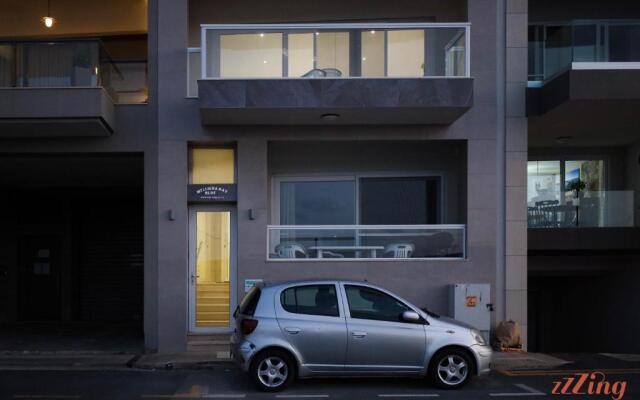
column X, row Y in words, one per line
column 368, row 303
column 311, row 300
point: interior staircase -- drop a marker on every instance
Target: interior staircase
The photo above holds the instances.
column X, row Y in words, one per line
column 212, row 311
column 212, row 305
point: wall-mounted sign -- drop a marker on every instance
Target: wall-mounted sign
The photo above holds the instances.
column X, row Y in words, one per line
column 212, row 193
column 471, row 301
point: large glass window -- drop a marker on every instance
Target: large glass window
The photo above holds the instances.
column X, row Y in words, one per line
column 311, row 300
column 367, row 303
column 405, row 50
column 251, row 55
column 319, row 201
column 212, row 165
column 414, row 200
column 330, row 202
column 543, row 181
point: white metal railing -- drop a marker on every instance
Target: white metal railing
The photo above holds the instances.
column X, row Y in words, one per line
column 365, row 242
column 335, row 50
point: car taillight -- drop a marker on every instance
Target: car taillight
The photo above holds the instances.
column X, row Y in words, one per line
column 247, row 326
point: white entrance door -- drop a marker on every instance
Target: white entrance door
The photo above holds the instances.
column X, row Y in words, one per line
column 212, row 268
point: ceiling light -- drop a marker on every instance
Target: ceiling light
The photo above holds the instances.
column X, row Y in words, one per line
column 48, row 21
column 563, row 139
column 329, row 117
column 262, row 35
column 373, row 32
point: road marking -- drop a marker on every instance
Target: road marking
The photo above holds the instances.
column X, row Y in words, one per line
column 410, row 395
column 620, row 371
column 46, row 396
column 302, row 396
column 193, row 396
column 529, row 392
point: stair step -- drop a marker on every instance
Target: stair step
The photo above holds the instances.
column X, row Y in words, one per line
column 210, row 337
column 213, row 307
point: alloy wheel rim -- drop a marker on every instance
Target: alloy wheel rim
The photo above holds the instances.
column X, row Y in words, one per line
column 273, row 372
column 452, row 370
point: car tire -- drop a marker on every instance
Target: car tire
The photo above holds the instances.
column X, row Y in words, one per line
column 450, row 369
column 272, row 370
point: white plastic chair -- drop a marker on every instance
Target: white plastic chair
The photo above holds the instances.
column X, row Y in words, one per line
column 399, row 250
column 291, row 250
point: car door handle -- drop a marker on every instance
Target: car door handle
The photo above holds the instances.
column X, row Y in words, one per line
column 358, row 335
column 293, row 331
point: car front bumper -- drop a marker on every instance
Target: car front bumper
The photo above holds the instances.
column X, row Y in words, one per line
column 484, row 356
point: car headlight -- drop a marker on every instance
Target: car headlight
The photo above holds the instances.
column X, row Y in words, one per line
column 477, row 336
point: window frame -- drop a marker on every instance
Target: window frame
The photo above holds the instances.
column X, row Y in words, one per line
column 296, row 287
column 347, row 307
column 276, row 181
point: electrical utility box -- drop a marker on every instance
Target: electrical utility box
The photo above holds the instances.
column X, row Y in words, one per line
column 471, row 303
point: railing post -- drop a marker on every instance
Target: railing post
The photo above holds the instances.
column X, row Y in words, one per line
column 467, row 50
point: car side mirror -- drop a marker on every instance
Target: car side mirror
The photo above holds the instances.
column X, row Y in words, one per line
column 411, row 316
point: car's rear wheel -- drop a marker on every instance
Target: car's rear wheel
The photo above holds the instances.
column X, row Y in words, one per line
column 272, row 370
column 450, row 369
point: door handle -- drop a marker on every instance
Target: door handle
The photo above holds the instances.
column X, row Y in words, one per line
column 359, row 335
column 293, row 331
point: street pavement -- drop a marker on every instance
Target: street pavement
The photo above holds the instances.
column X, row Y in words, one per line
column 227, row 382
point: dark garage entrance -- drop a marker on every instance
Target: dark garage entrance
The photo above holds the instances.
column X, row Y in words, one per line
column 71, row 252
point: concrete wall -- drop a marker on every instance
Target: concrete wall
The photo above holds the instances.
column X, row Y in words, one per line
column 516, row 163
column 179, row 125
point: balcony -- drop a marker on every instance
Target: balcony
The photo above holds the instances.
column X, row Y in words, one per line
column 598, row 220
column 333, row 73
column 365, row 242
column 586, row 71
column 62, row 88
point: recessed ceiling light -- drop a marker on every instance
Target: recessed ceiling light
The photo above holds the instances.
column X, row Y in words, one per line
column 330, row 117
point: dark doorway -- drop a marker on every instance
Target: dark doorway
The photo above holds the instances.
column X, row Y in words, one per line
column 39, row 278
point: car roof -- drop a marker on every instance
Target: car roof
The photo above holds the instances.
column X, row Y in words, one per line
column 274, row 285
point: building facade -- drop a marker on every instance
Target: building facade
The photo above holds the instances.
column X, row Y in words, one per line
column 158, row 166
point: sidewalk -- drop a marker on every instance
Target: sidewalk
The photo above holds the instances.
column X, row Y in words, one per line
column 525, row 361
column 198, row 360
column 51, row 361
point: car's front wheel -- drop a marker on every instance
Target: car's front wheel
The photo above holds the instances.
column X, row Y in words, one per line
column 272, row 370
column 450, row 369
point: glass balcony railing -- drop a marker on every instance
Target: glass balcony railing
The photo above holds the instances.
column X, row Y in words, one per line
column 553, row 47
column 70, row 63
column 341, row 50
column 593, row 209
column 365, row 242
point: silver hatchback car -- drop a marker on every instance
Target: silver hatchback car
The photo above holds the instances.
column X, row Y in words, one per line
column 346, row 328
